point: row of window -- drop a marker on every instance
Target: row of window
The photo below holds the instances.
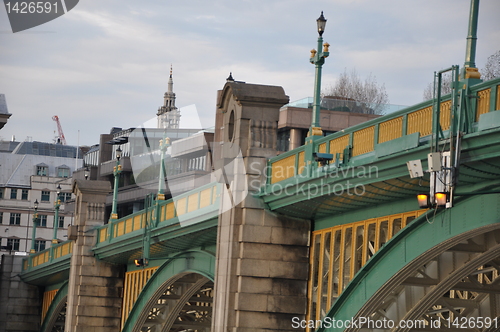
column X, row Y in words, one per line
column 14, row 244
column 45, row 195
column 61, row 171
column 15, row 219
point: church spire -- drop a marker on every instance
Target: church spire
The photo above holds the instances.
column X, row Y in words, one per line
column 169, row 114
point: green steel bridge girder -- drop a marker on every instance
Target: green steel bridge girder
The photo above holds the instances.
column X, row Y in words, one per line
column 479, row 156
column 200, row 262
column 474, row 214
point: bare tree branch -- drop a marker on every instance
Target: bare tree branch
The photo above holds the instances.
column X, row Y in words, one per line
column 365, row 96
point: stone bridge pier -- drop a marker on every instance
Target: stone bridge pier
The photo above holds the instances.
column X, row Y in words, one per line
column 262, row 259
column 95, row 287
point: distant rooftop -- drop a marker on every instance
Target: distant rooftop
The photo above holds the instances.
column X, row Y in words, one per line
column 344, row 105
column 47, row 149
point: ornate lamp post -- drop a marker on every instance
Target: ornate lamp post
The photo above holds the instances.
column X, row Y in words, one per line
column 164, row 144
column 116, row 172
column 318, row 59
column 35, row 223
column 57, row 205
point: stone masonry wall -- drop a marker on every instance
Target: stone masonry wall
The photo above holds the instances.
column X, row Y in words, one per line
column 20, row 303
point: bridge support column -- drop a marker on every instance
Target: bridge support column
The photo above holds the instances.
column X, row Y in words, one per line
column 95, row 287
column 262, row 259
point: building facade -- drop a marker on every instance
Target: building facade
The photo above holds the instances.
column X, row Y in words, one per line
column 32, row 172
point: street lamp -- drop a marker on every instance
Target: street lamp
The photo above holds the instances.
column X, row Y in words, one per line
column 35, row 223
column 57, row 204
column 116, row 172
column 164, row 144
column 318, row 59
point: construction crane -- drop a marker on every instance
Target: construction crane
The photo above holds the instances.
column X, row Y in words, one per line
column 59, row 139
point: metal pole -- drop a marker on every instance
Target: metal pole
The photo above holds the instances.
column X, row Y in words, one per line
column 116, row 172
column 33, row 233
column 164, row 144
column 56, row 220
column 470, row 52
column 315, row 123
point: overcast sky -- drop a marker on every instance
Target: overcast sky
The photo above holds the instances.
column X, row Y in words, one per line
column 106, row 63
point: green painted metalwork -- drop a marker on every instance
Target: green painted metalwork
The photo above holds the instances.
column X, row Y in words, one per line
column 52, row 265
column 201, row 262
column 55, row 307
column 423, row 234
column 470, row 50
column 184, row 230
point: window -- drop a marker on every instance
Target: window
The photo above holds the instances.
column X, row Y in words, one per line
column 13, row 244
column 42, row 170
column 24, row 195
column 39, row 245
column 63, row 172
column 64, row 197
column 1, row 217
column 45, row 196
column 42, row 220
column 61, row 222
column 15, row 219
column 1, row 193
column 13, row 194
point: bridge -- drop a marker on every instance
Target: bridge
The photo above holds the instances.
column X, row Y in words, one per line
column 325, row 237
column 373, row 252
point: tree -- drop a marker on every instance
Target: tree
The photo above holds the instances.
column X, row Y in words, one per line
column 445, row 87
column 358, row 96
column 490, row 71
column 492, row 68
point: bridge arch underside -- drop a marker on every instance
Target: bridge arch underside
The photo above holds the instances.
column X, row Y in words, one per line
column 452, row 285
column 178, row 297
column 55, row 318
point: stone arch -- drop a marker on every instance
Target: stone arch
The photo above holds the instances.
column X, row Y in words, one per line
column 178, row 296
column 431, row 272
column 56, row 315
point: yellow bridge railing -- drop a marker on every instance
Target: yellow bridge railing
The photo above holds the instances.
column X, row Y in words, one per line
column 362, row 139
column 55, row 252
column 165, row 212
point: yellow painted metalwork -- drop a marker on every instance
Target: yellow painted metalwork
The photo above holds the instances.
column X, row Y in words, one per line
column 180, row 206
column 25, row 265
column 129, row 225
column 40, row 258
column 193, row 201
column 498, row 99
column 390, row 130
column 137, row 222
column 283, row 169
column 339, row 252
column 48, row 297
column 170, row 210
column 103, row 234
column 363, row 141
column 338, row 145
column 444, row 115
column 302, row 163
column 133, row 285
column 483, row 102
column 322, row 148
column 63, row 250
column 205, row 198
column 120, row 228
column 420, row 122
